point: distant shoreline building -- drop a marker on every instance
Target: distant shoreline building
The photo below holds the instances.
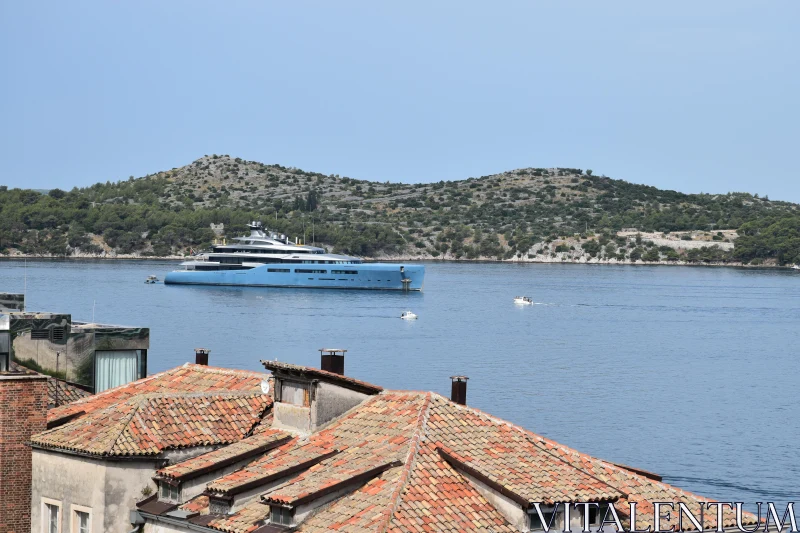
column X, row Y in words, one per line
column 91, row 356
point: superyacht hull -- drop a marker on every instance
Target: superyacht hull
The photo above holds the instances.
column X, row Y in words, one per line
column 365, row 276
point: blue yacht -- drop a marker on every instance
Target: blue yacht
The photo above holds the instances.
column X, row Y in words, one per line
column 270, row 260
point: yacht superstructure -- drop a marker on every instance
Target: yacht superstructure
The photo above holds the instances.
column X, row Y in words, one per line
column 271, row 260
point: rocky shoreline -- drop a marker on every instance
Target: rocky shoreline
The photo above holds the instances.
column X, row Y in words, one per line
column 559, row 259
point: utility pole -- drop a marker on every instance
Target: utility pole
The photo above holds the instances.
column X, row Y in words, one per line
column 58, row 355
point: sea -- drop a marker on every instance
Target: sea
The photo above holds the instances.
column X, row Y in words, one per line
column 689, row 372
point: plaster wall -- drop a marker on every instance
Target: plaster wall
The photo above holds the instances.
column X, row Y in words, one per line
column 124, row 481
column 511, row 510
column 331, row 401
column 70, row 480
column 109, row 488
column 291, row 417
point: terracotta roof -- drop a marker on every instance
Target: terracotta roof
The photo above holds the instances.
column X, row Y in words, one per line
column 410, row 458
column 503, row 455
column 148, row 424
column 63, row 392
column 348, row 382
column 186, row 378
column 58, row 390
column 291, row 457
column 246, row 520
column 259, row 443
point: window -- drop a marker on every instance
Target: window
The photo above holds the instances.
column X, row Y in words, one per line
column 114, row 368
column 81, row 519
column 170, row 493
column 280, row 515
column 344, row 271
column 277, row 270
column 295, row 393
column 596, row 514
column 5, row 351
column 554, row 519
column 51, row 516
column 218, row 506
column 306, row 271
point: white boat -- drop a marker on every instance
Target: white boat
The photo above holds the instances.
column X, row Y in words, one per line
column 522, row 300
column 408, row 315
column 269, row 259
column 796, row 267
column 151, row 279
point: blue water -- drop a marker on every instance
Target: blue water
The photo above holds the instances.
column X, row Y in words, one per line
column 689, row 372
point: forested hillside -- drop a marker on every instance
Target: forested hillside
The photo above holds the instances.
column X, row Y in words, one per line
column 502, row 216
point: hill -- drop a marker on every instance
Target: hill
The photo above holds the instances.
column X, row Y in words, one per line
column 533, row 213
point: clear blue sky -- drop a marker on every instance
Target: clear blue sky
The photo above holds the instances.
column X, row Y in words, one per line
column 693, row 96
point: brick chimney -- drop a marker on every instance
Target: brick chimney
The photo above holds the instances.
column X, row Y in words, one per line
column 332, row 360
column 458, row 390
column 201, row 356
column 23, row 412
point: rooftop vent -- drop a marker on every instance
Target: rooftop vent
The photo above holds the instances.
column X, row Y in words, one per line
column 201, row 356
column 332, row 360
column 458, row 391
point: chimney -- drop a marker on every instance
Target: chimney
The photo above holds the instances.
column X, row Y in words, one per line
column 332, row 360
column 23, row 413
column 201, row 356
column 458, row 391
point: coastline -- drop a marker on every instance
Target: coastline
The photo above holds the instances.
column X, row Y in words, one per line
column 423, row 258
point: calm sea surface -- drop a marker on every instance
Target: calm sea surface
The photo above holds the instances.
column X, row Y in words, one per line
column 689, row 372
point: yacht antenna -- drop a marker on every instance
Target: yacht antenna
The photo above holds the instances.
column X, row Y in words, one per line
column 25, row 284
column 94, row 303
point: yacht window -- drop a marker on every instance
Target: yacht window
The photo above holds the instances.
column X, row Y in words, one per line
column 278, row 270
column 344, row 271
column 306, row 271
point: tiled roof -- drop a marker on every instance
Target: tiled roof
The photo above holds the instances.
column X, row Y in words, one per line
column 187, row 378
column 245, row 520
column 58, row 391
column 363, row 386
column 502, row 454
column 289, row 458
column 414, row 462
column 61, row 392
column 148, row 424
column 260, row 442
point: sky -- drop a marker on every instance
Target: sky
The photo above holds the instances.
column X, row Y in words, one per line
column 691, row 96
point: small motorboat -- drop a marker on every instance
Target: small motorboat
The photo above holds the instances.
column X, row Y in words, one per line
column 522, row 300
column 408, row 315
column 151, row 279
column 795, row 267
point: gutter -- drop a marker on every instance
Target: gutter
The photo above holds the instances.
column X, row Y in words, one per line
column 176, row 522
column 121, row 458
